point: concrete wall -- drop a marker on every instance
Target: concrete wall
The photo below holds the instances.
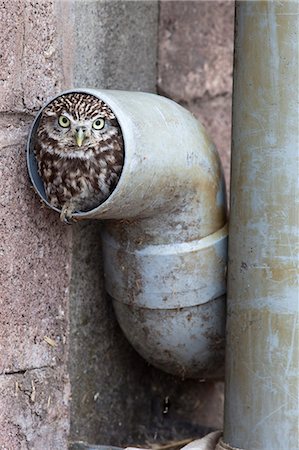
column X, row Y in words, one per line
column 51, row 275
column 117, row 42
column 35, row 249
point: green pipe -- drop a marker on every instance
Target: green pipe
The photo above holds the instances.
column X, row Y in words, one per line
column 261, row 407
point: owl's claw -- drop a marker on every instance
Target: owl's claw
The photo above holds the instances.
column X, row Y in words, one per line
column 65, row 221
column 66, row 214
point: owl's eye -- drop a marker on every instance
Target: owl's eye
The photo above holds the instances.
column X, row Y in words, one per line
column 64, row 122
column 98, row 124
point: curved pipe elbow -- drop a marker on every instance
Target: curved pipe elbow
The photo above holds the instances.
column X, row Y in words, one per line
column 165, row 235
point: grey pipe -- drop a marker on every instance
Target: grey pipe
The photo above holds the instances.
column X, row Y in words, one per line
column 261, row 402
column 165, row 235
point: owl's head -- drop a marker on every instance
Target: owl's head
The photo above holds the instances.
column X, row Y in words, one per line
column 77, row 121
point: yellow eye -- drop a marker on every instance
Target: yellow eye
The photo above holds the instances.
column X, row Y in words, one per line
column 64, row 122
column 98, row 124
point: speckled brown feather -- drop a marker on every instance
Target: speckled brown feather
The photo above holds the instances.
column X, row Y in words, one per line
column 78, row 178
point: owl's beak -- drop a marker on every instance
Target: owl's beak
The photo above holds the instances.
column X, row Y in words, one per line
column 79, row 137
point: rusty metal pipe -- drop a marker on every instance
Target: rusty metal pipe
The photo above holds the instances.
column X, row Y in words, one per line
column 261, row 402
column 165, row 235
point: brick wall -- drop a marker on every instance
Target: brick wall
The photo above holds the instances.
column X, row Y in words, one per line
column 196, row 62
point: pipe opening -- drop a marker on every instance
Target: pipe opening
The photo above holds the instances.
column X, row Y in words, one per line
column 76, row 135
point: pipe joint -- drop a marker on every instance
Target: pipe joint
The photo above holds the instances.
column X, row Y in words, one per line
column 164, row 235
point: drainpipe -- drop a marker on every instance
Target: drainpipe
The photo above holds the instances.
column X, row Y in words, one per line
column 261, row 402
column 164, row 235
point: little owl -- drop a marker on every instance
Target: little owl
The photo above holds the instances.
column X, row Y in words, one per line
column 79, row 152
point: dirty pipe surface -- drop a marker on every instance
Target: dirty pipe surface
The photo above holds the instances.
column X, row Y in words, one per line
column 261, row 406
column 165, row 235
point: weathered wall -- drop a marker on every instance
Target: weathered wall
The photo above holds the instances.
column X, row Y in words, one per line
column 51, row 274
column 35, row 248
column 196, row 62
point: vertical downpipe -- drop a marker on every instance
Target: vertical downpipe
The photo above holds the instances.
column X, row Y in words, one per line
column 261, row 411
